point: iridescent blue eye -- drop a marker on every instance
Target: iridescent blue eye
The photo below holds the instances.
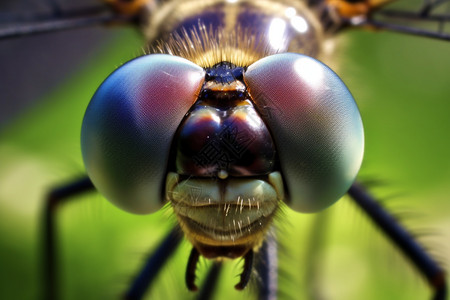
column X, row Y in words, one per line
column 129, row 125
column 315, row 123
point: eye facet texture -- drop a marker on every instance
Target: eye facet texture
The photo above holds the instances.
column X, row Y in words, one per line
column 315, row 123
column 129, row 125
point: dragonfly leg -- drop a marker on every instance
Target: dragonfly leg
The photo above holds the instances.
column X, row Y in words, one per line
column 56, row 197
column 245, row 275
column 57, row 21
column 424, row 263
column 155, row 262
column 267, row 269
column 191, row 267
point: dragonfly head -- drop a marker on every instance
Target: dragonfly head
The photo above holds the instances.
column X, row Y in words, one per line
column 286, row 113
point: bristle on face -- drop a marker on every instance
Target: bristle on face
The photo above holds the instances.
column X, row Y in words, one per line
column 207, row 47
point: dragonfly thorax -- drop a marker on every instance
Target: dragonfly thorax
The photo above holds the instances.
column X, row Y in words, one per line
column 208, row 32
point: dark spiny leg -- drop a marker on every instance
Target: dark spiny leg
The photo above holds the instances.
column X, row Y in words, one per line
column 267, row 269
column 21, row 26
column 190, row 271
column 433, row 273
column 50, row 259
column 155, row 262
column 210, row 283
column 61, row 24
column 245, row 275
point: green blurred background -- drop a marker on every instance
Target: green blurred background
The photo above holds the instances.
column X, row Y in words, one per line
column 402, row 86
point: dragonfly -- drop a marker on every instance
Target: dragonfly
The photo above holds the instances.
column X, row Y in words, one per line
column 374, row 24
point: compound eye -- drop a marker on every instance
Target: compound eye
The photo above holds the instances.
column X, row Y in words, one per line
column 129, row 125
column 315, row 123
